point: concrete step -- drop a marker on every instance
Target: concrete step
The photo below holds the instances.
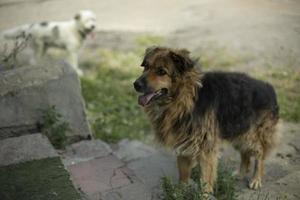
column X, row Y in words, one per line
column 25, row 148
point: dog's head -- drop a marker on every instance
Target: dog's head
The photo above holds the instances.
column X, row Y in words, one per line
column 86, row 21
column 163, row 70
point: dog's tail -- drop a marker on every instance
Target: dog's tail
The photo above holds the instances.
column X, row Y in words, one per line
column 18, row 32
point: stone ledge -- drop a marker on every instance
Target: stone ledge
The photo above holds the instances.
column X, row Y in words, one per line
column 25, row 148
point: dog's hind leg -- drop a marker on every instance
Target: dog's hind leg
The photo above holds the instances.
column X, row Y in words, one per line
column 267, row 137
column 185, row 164
column 256, row 181
column 245, row 164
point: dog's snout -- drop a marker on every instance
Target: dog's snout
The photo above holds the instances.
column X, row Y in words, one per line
column 138, row 85
column 93, row 26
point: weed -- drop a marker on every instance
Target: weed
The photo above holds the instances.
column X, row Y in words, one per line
column 225, row 187
column 8, row 58
column 54, row 127
column 180, row 191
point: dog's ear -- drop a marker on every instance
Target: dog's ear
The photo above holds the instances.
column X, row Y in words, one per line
column 149, row 51
column 182, row 60
column 77, row 16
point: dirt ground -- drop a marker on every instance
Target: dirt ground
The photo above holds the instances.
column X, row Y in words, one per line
column 268, row 30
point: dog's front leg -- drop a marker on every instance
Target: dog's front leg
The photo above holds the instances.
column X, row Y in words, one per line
column 208, row 164
column 185, row 164
column 72, row 59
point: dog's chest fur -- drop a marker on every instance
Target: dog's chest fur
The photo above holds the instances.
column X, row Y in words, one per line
column 177, row 125
column 185, row 133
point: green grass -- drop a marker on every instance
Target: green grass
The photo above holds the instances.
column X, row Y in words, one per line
column 215, row 57
column 108, row 91
column 225, row 187
column 286, row 82
column 145, row 41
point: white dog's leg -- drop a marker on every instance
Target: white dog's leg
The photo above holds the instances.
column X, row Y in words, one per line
column 72, row 59
column 39, row 51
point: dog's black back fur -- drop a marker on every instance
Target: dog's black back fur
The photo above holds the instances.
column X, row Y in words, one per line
column 237, row 99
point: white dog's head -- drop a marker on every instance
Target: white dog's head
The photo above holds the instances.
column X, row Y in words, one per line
column 86, row 21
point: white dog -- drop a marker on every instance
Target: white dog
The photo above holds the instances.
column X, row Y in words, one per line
column 66, row 35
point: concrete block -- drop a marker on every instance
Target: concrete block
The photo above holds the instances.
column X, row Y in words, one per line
column 25, row 91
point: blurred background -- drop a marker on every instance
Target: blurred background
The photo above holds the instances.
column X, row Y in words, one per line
column 258, row 37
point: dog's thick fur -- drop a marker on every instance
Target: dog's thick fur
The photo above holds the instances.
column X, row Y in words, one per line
column 194, row 111
column 65, row 35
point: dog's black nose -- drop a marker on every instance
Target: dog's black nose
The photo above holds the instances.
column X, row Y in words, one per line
column 93, row 26
column 137, row 86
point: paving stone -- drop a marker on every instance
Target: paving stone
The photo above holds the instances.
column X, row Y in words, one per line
column 148, row 164
column 151, row 169
column 84, row 151
column 131, row 192
column 25, row 148
column 96, row 176
column 131, row 150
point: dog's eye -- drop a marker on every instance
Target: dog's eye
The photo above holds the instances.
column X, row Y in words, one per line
column 146, row 68
column 161, row 72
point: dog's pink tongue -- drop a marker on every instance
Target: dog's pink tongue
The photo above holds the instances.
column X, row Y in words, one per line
column 144, row 99
column 93, row 34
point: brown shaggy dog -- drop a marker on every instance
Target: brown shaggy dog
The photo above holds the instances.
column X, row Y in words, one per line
column 192, row 112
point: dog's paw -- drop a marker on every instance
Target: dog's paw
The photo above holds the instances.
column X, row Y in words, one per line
column 255, row 183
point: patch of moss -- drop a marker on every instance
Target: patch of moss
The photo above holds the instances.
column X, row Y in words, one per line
column 36, row 180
